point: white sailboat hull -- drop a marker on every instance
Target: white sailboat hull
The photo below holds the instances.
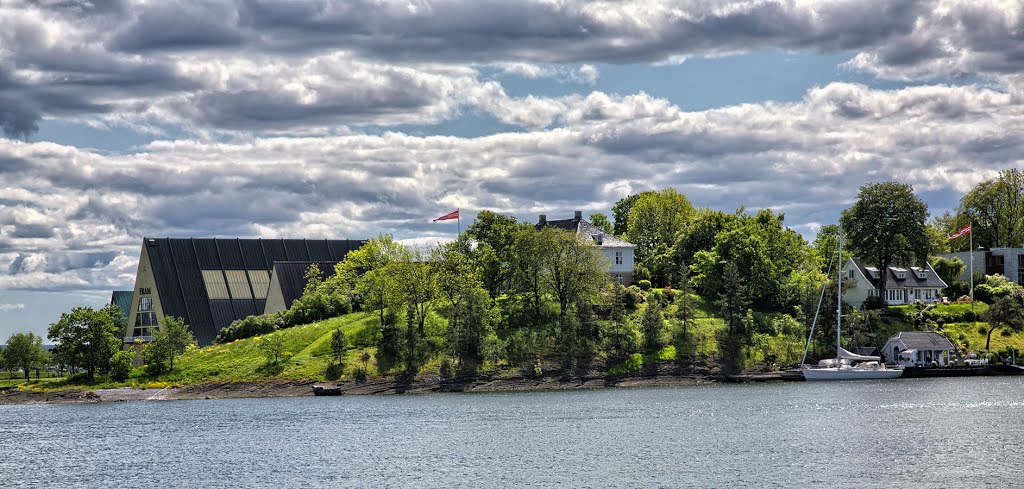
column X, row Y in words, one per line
column 850, row 373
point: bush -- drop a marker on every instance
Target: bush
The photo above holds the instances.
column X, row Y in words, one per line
column 632, row 299
column 317, row 306
column 994, row 288
column 334, row 371
column 121, row 365
column 248, row 327
column 873, row 303
column 644, row 284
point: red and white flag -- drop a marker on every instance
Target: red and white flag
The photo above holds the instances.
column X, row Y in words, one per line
column 966, row 230
column 449, row 216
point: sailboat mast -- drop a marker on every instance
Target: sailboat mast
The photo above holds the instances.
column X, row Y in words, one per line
column 839, row 293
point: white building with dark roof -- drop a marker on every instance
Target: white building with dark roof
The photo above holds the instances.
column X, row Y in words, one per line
column 918, row 349
column 618, row 252
column 904, row 285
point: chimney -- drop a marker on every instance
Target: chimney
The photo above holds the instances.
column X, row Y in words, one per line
column 543, row 220
column 579, row 216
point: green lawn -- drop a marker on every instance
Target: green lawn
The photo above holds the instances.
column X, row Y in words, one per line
column 307, row 352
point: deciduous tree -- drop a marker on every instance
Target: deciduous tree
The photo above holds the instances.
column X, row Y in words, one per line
column 1005, row 313
column 886, row 226
column 25, row 351
column 85, row 338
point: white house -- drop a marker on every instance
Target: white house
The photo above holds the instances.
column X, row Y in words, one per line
column 918, row 349
column 617, row 251
column 903, row 285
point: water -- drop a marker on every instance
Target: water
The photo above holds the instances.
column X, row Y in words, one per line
column 921, row 433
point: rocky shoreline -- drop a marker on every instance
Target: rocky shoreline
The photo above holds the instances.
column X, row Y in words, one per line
column 371, row 387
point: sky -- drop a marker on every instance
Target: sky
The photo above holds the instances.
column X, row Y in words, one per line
column 346, row 119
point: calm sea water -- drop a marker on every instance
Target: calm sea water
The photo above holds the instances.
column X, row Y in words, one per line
column 927, row 432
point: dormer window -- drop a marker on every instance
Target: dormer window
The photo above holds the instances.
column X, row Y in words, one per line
column 922, row 275
column 901, row 274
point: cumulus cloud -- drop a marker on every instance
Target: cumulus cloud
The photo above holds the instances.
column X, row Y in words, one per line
column 11, row 307
column 316, row 65
column 73, row 218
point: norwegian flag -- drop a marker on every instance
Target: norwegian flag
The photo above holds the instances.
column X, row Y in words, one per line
column 966, row 230
column 449, row 216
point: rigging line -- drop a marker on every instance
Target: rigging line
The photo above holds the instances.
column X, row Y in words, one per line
column 816, row 311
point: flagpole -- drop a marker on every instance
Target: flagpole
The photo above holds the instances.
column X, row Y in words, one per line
column 458, row 221
column 972, row 263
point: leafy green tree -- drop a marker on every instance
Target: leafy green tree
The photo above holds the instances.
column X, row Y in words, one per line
column 949, row 270
column 118, row 318
column 476, row 325
column 600, row 220
column 339, row 344
column 1005, row 313
column 25, row 351
column 886, row 226
column 85, row 338
column 995, row 210
column 826, row 241
column 460, row 289
column 495, row 235
column 732, row 300
column 685, row 307
column 621, row 210
column 655, row 219
column 619, row 339
column 653, row 324
column 571, row 269
column 773, row 259
column 272, row 347
column 370, row 270
column 389, row 348
column 121, row 365
column 170, row 340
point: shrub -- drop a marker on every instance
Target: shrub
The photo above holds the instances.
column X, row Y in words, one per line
column 248, row 327
column 644, row 284
column 334, row 371
column 873, row 303
column 121, row 365
column 632, row 298
column 317, row 306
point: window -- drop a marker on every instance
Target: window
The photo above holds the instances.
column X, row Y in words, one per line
column 618, row 278
column 901, row 274
column 618, row 258
column 216, row 288
column 238, row 284
column 849, row 274
column 145, row 318
column 260, row 280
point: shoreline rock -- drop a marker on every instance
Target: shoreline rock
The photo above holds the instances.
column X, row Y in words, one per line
column 234, row 390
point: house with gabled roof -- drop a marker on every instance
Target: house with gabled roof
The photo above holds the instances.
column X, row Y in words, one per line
column 918, row 349
column 618, row 252
column 904, row 285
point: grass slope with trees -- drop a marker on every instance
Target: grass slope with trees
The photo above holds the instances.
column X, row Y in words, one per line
column 715, row 293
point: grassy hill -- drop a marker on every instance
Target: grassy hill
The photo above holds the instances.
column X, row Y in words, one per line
column 779, row 343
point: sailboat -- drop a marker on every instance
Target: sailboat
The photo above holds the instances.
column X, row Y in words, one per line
column 847, row 365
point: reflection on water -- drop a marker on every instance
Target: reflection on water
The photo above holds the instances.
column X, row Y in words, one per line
column 872, row 433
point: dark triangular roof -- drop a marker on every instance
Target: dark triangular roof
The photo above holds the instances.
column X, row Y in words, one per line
column 178, row 263
column 911, row 278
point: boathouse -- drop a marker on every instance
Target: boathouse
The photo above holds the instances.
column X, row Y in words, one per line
column 918, row 349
